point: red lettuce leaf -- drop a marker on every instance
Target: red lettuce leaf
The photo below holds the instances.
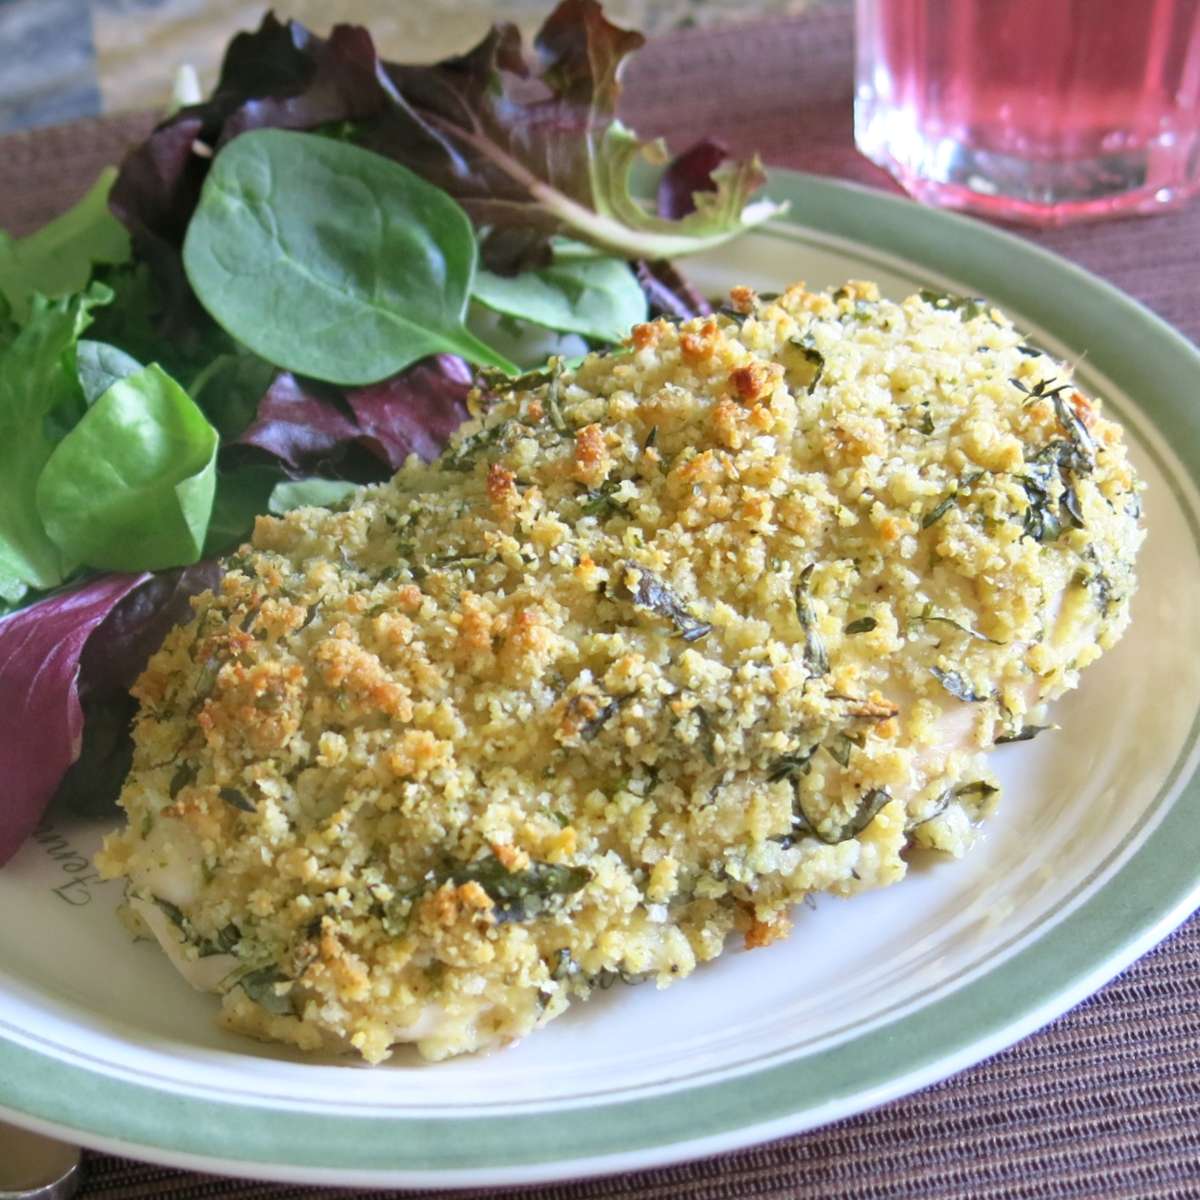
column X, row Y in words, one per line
column 687, row 174
column 414, row 412
column 309, row 426
column 66, row 664
column 112, row 659
column 669, row 293
column 300, row 421
column 41, row 720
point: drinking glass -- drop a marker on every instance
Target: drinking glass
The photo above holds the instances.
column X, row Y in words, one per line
column 1037, row 111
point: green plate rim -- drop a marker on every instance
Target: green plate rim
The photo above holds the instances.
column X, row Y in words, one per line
column 1148, row 896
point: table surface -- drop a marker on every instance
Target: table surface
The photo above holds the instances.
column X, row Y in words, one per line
column 1104, row 1101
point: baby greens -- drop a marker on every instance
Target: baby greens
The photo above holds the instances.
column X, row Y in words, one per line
column 100, row 366
column 599, row 298
column 58, row 259
column 36, row 382
column 131, row 486
column 295, row 258
column 331, row 261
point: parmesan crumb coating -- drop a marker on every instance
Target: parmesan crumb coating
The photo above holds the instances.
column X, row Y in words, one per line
column 661, row 645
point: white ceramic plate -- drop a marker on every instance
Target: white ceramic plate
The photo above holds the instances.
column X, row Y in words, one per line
column 1089, row 861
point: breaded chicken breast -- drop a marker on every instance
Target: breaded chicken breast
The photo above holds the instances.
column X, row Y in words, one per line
column 661, row 645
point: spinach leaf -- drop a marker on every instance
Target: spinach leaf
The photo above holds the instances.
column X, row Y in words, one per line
column 319, row 493
column 37, row 377
column 131, row 486
column 330, row 260
column 99, row 366
column 58, row 259
column 599, row 298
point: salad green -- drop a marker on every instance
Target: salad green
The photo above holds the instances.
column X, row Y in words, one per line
column 286, row 290
column 131, row 486
column 330, row 260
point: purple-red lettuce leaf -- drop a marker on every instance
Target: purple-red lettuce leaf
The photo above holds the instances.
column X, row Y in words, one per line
column 669, row 293
column 414, row 412
column 112, row 659
column 66, row 666
column 41, row 719
column 531, row 142
column 309, row 426
column 300, row 421
column 687, row 173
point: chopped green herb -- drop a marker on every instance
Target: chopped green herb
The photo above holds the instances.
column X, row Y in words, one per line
column 1041, row 390
column 928, row 616
column 868, row 809
column 840, row 749
column 791, row 764
column 237, row 799
column 591, row 728
column 1071, row 506
column 173, row 914
column 816, row 660
column 968, row 307
column 465, row 454
column 707, row 745
column 812, row 356
column 978, row 787
column 862, row 625
column 1025, row 734
column 184, row 775
column 1075, row 428
column 522, row 895
column 259, row 986
column 653, row 594
column 957, row 685
column 601, row 502
column 939, row 510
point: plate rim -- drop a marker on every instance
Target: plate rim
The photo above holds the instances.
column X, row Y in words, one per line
column 1060, row 967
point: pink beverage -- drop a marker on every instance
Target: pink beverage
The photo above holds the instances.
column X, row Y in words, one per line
column 1040, row 111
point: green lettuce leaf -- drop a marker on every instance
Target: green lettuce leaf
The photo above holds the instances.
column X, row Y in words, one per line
column 59, row 258
column 37, row 383
column 131, row 486
column 302, row 493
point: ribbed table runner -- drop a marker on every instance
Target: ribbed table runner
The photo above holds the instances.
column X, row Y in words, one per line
column 1103, row 1102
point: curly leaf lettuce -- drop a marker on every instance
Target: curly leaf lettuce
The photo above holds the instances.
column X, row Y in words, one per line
column 38, row 382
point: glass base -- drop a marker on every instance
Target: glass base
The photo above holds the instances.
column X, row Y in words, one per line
column 1032, row 191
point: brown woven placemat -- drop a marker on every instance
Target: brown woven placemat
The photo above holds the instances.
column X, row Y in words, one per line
column 1103, row 1102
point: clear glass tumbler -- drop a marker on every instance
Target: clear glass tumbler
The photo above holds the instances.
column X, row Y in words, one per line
column 1038, row 111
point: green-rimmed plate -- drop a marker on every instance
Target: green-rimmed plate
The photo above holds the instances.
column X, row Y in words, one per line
column 1090, row 860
